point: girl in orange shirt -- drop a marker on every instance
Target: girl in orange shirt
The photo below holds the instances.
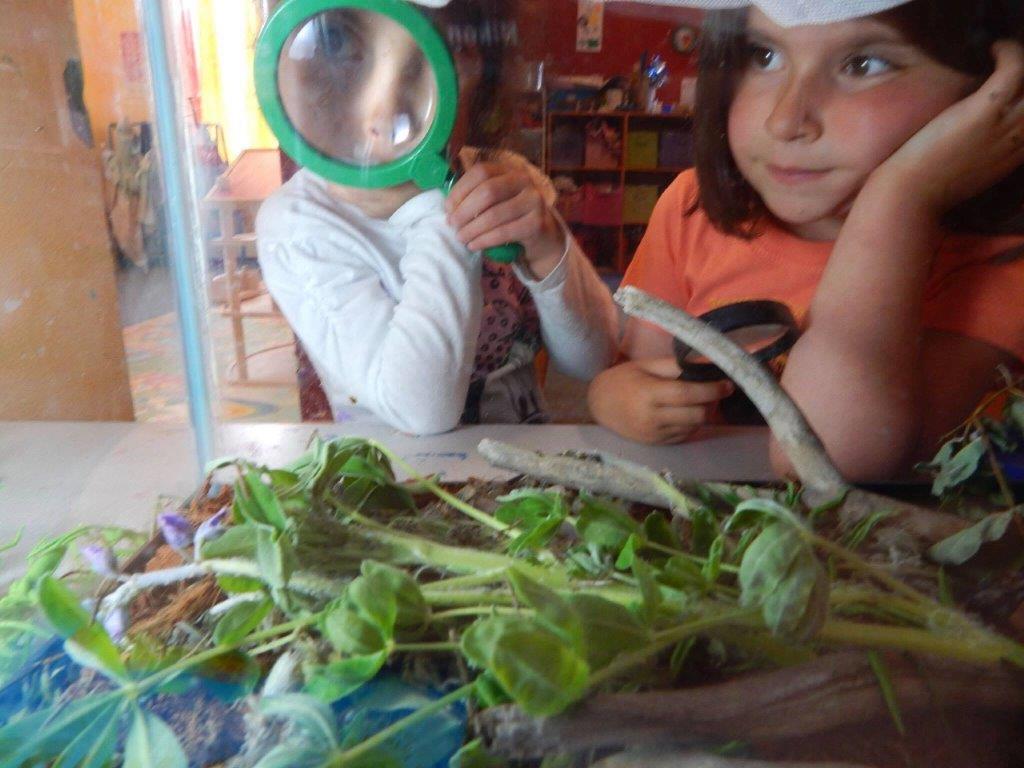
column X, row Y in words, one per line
column 859, row 171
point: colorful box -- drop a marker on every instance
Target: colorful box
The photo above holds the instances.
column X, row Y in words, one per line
column 676, row 149
column 642, row 149
column 638, row 202
column 602, row 205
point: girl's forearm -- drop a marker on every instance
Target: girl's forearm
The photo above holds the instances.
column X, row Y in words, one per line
column 856, row 371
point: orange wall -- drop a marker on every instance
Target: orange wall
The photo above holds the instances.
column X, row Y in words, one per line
column 116, row 84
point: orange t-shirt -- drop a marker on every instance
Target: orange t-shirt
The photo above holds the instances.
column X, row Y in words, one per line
column 976, row 287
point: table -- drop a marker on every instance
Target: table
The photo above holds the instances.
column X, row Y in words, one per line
column 235, row 199
column 55, row 476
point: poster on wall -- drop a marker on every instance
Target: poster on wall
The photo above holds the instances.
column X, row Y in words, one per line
column 589, row 25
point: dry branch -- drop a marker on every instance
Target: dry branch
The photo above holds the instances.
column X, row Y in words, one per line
column 835, row 690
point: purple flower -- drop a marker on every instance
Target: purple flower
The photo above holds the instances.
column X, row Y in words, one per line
column 210, row 529
column 176, row 530
column 100, row 559
column 116, row 622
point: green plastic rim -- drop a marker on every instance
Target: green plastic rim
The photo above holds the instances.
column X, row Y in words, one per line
column 425, row 165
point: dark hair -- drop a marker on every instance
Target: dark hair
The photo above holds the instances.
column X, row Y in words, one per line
column 956, row 33
column 488, row 28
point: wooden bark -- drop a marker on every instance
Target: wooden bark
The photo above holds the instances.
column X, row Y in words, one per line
column 795, row 702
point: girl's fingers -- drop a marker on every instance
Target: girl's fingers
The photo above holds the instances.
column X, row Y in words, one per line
column 663, row 367
column 1005, row 87
column 681, row 394
column 686, row 417
column 520, row 230
column 483, row 186
column 497, row 215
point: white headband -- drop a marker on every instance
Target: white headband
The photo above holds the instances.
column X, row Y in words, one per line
column 785, row 13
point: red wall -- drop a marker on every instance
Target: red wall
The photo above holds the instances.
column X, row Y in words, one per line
column 547, row 30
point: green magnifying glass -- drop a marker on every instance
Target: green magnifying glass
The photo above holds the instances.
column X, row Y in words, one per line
column 363, row 93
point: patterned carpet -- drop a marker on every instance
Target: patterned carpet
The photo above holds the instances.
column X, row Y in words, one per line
column 158, row 380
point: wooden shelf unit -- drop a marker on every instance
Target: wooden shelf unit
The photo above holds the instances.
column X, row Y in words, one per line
column 622, row 234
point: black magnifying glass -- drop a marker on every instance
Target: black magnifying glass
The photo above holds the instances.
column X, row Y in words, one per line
column 765, row 329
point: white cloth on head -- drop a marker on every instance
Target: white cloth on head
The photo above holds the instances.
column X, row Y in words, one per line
column 785, row 13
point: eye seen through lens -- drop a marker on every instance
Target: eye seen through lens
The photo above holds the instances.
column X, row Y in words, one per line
column 357, row 87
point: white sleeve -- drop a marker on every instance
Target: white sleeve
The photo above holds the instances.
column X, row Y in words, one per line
column 579, row 321
column 409, row 359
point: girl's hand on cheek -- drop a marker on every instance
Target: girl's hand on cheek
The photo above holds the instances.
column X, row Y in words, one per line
column 645, row 401
column 496, row 203
column 971, row 145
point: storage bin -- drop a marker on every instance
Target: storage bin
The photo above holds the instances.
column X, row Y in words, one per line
column 566, row 146
column 642, row 149
column 603, row 144
column 602, row 205
column 638, row 203
column 676, row 148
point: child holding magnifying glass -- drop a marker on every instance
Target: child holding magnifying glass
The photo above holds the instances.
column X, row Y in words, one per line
column 386, row 288
column 859, row 171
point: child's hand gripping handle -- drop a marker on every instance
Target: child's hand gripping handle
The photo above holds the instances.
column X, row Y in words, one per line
column 502, row 254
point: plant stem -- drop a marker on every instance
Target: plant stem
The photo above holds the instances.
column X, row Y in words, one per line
column 467, row 509
column 868, row 569
column 424, row 647
column 472, row 580
column 458, row 613
column 979, row 647
column 341, row 759
column 670, row 636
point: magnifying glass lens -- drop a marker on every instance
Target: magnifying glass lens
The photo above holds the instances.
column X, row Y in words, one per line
column 752, row 338
column 357, row 86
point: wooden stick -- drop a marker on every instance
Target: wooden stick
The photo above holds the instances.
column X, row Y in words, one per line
column 805, row 451
column 662, row 759
column 834, row 690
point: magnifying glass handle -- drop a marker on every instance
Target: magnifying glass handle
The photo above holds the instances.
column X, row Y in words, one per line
column 502, row 254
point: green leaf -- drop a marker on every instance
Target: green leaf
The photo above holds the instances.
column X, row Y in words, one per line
column 275, row 556
column 480, row 639
column 95, row 743
column 888, row 692
column 43, row 735
column 240, row 620
column 293, row 755
column 604, row 523
column 713, row 567
column 608, row 629
column 649, row 589
column 269, row 507
column 87, row 641
column 350, row 632
column 627, row 554
column 863, row 529
column 537, row 514
column 553, row 611
column 772, row 509
column 962, row 546
column 373, row 599
column 474, row 755
column 488, row 691
column 659, row 529
column 152, row 744
column 236, row 541
column 683, row 574
column 541, row 673
column 330, row 682
column 780, row 574
column 311, row 715
column 703, row 530
column 959, row 467
column 412, row 610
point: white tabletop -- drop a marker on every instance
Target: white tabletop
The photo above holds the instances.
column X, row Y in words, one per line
column 58, row 475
